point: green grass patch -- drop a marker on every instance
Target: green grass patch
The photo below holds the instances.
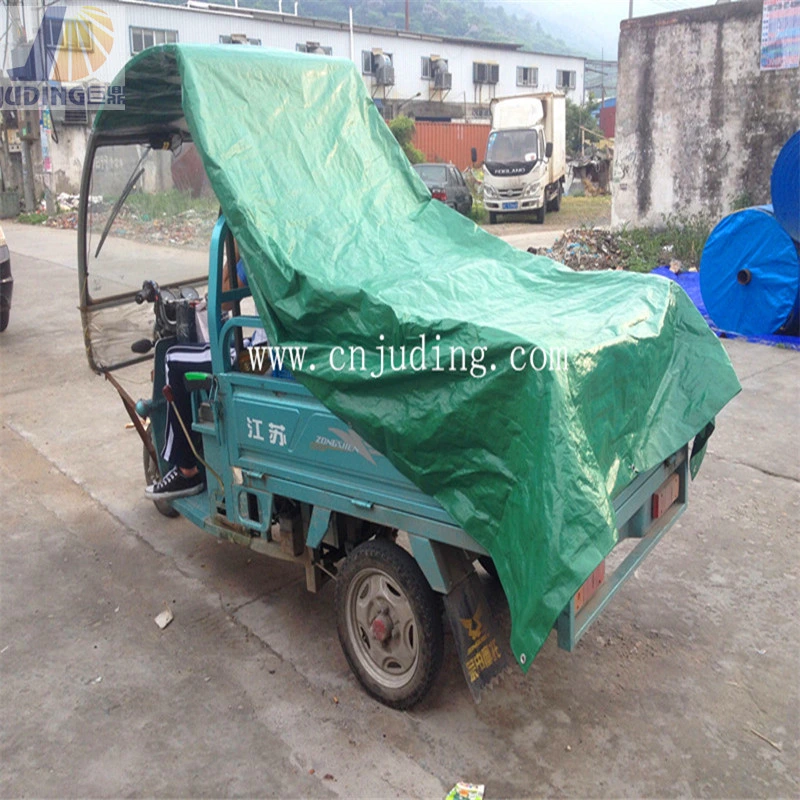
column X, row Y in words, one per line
column 35, row 218
column 681, row 238
column 169, row 204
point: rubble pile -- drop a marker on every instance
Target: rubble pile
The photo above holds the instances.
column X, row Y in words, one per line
column 585, row 249
column 598, row 248
column 186, row 229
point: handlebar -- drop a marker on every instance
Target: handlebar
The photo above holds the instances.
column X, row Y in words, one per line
column 174, row 313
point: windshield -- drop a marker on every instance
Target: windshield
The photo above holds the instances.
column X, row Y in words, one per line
column 432, row 173
column 513, row 147
column 150, row 215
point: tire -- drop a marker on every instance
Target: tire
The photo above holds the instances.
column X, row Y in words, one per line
column 541, row 213
column 555, row 203
column 380, row 583
column 492, row 218
column 151, row 474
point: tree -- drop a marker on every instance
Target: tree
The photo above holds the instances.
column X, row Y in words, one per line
column 403, row 129
column 577, row 117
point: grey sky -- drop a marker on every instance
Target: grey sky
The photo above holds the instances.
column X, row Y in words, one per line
column 583, row 23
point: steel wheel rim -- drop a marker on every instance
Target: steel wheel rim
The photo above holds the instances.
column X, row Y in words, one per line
column 391, row 663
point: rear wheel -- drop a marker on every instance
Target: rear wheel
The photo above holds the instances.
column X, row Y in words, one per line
column 555, row 203
column 389, row 622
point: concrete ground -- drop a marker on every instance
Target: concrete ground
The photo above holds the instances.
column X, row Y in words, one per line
column 687, row 686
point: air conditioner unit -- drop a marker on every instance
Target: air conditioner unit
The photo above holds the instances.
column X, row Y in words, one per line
column 384, row 75
column 494, row 73
column 480, row 72
column 443, row 80
column 76, row 115
column 71, row 114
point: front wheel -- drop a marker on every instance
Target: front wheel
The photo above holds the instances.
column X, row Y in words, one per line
column 541, row 213
column 389, row 622
column 492, row 218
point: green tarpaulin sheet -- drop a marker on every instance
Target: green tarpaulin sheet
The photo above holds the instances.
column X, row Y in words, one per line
column 345, row 247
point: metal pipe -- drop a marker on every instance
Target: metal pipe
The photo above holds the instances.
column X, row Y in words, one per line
column 352, row 40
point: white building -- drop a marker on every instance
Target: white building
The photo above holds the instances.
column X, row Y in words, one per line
column 425, row 76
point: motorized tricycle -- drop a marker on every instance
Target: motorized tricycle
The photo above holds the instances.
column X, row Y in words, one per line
column 284, row 475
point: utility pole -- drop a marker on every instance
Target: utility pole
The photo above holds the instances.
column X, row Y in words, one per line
column 630, row 9
column 27, row 131
column 407, row 1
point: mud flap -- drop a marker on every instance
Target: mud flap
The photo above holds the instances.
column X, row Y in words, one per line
column 480, row 655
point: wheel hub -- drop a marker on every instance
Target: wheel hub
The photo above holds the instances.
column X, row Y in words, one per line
column 381, row 628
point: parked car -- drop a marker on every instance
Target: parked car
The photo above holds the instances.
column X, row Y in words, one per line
column 6, row 282
column 447, row 184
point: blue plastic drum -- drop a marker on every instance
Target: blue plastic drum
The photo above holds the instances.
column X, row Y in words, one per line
column 785, row 187
column 750, row 274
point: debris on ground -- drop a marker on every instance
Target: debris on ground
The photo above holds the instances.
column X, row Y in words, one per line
column 585, row 249
column 466, row 791
column 164, row 618
column 188, row 228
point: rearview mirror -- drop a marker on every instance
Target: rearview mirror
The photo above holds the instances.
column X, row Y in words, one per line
column 474, row 155
column 548, row 150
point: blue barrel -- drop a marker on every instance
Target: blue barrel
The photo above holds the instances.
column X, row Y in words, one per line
column 785, row 187
column 750, row 274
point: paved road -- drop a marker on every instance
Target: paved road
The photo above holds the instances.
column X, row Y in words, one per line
column 246, row 693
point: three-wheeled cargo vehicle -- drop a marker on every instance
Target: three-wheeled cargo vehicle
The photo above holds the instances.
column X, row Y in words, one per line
column 299, row 463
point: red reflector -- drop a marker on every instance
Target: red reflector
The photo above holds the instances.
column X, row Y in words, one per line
column 590, row 586
column 666, row 495
column 439, row 195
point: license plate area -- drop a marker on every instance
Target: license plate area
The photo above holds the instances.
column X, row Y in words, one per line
column 665, row 497
column 664, row 485
column 590, row 586
column 510, row 206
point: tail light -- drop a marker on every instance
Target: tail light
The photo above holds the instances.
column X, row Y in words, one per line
column 439, row 194
column 667, row 494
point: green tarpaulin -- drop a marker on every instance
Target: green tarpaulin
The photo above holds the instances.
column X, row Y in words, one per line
column 345, row 247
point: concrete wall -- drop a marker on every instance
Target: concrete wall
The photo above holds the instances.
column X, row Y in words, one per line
column 698, row 123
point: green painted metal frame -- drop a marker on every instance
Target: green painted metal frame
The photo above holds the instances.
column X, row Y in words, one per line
column 634, row 508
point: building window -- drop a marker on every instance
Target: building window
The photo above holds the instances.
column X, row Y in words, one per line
column 372, row 60
column 314, row 47
column 68, row 34
column 238, row 38
column 527, row 76
column 485, row 72
column 142, row 38
column 565, row 79
column 431, row 65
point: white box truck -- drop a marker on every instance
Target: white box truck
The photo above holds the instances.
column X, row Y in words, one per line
column 526, row 158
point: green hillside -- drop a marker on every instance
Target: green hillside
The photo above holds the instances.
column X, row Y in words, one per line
column 472, row 20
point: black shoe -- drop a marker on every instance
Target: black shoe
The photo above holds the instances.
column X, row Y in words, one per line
column 173, row 485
